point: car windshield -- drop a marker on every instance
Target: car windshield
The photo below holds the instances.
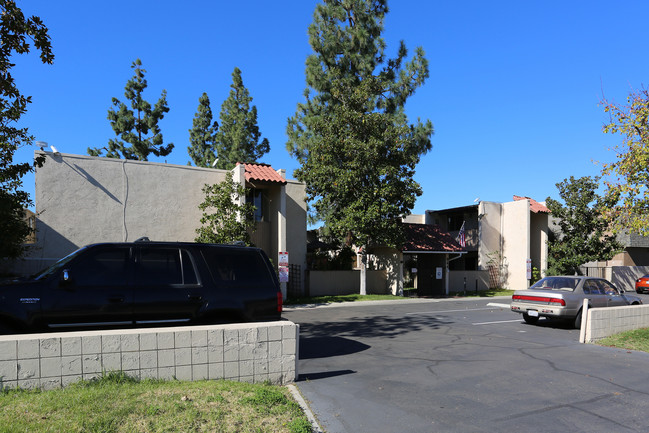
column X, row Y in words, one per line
column 556, row 283
column 56, row 266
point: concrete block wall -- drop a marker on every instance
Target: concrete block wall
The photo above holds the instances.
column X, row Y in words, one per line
column 251, row 352
column 604, row 322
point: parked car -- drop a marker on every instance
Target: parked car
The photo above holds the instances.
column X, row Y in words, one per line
column 642, row 284
column 562, row 298
column 144, row 284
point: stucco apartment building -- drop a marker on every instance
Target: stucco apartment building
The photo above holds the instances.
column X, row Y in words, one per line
column 503, row 241
column 82, row 200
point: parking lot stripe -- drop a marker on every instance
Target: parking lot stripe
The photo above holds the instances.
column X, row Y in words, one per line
column 500, row 321
column 447, row 311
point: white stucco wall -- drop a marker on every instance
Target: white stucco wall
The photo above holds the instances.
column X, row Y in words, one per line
column 516, row 242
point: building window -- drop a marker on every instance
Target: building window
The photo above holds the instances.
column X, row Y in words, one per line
column 259, row 200
column 455, row 222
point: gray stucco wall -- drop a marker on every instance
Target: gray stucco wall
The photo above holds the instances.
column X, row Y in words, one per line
column 490, row 226
column 296, row 224
column 539, row 240
column 82, row 200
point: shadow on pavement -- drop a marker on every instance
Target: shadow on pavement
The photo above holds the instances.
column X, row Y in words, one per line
column 371, row 326
column 324, row 375
column 323, row 347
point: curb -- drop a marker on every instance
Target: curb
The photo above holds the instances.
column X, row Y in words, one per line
column 315, row 426
column 390, row 302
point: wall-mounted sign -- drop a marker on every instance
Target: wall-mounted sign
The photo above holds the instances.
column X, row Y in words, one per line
column 438, row 273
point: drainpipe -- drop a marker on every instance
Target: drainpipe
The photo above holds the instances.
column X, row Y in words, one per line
column 447, row 270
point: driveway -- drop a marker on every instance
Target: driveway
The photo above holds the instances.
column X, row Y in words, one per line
column 466, row 365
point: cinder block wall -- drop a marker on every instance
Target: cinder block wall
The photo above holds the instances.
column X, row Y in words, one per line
column 251, row 352
column 604, row 322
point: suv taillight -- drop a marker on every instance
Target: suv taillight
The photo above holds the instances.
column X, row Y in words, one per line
column 280, row 302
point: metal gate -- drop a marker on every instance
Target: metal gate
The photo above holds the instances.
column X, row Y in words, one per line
column 294, row 285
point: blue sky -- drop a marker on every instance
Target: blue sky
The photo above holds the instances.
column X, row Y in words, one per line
column 513, row 91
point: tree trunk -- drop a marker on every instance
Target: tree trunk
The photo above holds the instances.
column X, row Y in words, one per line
column 363, row 272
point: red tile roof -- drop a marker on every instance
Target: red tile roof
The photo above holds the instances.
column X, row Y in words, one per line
column 535, row 206
column 262, row 172
column 429, row 238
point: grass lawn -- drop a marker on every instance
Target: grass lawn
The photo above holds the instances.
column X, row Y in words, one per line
column 638, row 339
column 117, row 403
column 356, row 297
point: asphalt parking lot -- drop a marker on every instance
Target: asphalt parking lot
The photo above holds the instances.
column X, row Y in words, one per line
column 467, row 365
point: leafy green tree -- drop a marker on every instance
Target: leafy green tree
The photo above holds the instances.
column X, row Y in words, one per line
column 136, row 128
column 17, row 34
column 238, row 139
column 225, row 220
column 354, row 142
column 202, row 136
column 626, row 179
column 584, row 234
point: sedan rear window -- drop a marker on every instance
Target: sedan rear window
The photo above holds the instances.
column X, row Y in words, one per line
column 556, row 283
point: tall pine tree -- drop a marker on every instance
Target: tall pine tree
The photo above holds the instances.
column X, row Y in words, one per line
column 356, row 148
column 202, row 136
column 17, row 33
column 238, row 139
column 136, row 128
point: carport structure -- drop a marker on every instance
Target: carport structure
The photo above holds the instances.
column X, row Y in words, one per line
column 432, row 249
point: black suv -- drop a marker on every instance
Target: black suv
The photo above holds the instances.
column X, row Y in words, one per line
column 144, row 284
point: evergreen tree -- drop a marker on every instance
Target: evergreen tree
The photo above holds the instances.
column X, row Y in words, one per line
column 238, row 137
column 584, row 234
column 202, row 136
column 136, row 128
column 225, row 220
column 356, row 148
column 17, row 33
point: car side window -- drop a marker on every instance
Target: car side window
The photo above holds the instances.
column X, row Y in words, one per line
column 164, row 266
column 606, row 287
column 189, row 271
column 238, row 268
column 591, row 288
column 104, row 267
